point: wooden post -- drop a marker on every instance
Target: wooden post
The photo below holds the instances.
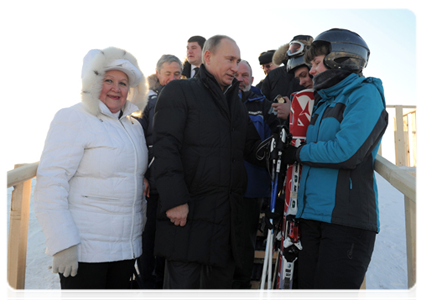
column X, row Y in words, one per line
column 406, row 140
column 362, row 292
column 418, row 134
column 410, row 229
column 18, row 234
column 414, row 138
column 399, row 137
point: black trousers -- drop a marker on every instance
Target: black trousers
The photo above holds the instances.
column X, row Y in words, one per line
column 185, row 275
column 151, row 267
column 108, row 275
column 333, row 256
column 249, row 219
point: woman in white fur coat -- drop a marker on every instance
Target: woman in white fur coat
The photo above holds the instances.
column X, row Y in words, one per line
column 90, row 181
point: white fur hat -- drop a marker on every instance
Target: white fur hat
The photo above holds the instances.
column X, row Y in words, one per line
column 97, row 62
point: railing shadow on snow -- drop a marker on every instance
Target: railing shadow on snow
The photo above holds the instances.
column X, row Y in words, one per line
column 20, row 178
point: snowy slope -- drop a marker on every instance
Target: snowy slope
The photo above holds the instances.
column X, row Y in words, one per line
column 388, row 269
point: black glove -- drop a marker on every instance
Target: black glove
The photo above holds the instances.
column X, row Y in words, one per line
column 276, row 216
column 289, row 155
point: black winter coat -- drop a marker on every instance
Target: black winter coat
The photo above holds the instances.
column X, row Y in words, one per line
column 280, row 82
column 147, row 125
column 201, row 137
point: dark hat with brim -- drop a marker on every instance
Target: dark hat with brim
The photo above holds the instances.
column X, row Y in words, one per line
column 266, row 57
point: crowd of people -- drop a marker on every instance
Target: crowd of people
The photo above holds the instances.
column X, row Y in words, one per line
column 158, row 177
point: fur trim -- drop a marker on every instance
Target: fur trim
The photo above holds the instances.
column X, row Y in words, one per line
column 280, row 55
column 92, row 81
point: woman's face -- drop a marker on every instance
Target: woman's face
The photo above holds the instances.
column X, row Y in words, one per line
column 317, row 65
column 115, row 90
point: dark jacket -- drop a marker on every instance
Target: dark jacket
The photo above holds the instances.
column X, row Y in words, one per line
column 146, row 121
column 201, row 137
column 266, row 122
column 186, row 70
column 280, row 82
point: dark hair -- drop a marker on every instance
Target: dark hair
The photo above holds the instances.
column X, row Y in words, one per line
column 197, row 38
column 316, row 49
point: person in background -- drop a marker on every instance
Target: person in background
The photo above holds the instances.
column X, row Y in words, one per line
column 153, row 84
column 293, row 54
column 202, row 134
column 151, row 268
column 337, row 198
column 89, row 194
column 265, row 60
column 279, row 82
column 259, row 182
column 194, row 51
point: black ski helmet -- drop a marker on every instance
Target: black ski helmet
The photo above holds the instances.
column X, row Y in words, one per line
column 294, row 62
column 347, row 49
column 295, row 54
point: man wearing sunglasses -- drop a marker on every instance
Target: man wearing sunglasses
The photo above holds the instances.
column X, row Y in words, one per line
column 265, row 60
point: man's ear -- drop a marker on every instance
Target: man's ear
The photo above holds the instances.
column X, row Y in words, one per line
column 252, row 79
column 207, row 56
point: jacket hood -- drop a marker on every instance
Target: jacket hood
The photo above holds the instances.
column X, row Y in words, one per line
column 92, row 80
column 280, row 55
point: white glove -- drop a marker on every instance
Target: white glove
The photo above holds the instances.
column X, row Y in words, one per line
column 66, row 261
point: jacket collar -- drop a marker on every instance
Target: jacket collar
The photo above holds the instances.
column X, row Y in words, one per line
column 223, row 99
column 127, row 109
column 211, row 83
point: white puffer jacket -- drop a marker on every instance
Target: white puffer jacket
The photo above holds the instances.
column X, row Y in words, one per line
column 90, row 183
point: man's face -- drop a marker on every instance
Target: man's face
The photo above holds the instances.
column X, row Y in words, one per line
column 244, row 77
column 194, row 53
column 168, row 72
column 304, row 77
column 268, row 67
column 223, row 64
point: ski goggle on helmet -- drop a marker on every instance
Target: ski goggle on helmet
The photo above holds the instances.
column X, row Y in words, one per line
column 295, row 48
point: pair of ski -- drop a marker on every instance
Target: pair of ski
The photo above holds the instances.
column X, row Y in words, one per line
column 288, row 234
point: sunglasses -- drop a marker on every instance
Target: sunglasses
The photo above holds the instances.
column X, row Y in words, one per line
column 266, row 66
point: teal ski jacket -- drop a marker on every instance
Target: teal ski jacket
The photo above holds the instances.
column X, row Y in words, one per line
column 337, row 182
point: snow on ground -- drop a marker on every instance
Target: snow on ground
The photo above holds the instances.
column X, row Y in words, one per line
column 388, row 269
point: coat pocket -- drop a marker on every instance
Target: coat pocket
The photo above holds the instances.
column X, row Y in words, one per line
column 99, row 198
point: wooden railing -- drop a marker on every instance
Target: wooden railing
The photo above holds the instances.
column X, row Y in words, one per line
column 405, row 135
column 20, row 178
column 22, row 175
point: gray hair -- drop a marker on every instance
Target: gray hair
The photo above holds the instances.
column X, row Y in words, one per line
column 212, row 43
column 169, row 58
column 246, row 62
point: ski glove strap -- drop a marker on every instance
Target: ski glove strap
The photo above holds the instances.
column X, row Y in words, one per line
column 66, row 262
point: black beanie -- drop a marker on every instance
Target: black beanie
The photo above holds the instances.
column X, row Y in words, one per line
column 266, row 57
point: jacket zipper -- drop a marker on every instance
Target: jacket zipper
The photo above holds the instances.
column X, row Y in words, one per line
column 136, row 187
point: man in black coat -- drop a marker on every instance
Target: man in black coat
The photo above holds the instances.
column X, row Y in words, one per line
column 202, row 133
column 193, row 61
column 151, row 268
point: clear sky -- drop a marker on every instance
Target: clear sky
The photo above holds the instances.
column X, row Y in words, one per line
column 44, row 42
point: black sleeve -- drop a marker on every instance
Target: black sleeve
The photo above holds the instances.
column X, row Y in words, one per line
column 169, row 128
column 251, row 144
column 270, row 116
